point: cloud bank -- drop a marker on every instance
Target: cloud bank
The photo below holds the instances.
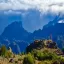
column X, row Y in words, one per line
column 41, row 5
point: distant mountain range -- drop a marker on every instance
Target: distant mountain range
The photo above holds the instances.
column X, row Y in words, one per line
column 15, row 31
column 18, row 38
column 15, row 36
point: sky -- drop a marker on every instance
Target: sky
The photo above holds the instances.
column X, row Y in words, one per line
column 41, row 5
column 34, row 14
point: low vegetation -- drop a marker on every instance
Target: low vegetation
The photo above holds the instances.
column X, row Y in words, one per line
column 42, row 53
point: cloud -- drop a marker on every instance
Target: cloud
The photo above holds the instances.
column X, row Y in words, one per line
column 41, row 5
column 12, row 12
column 61, row 21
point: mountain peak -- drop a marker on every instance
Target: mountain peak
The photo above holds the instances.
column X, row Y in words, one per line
column 18, row 23
column 15, row 31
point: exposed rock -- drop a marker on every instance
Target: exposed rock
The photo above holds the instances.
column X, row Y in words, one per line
column 40, row 44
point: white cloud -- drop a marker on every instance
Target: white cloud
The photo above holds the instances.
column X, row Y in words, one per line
column 12, row 12
column 61, row 21
column 41, row 5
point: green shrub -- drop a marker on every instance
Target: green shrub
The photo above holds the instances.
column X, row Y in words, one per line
column 19, row 59
column 61, row 59
column 55, row 62
column 28, row 59
column 44, row 55
column 3, row 50
column 8, row 54
column 16, row 62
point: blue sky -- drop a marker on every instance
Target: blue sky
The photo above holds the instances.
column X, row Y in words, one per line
column 34, row 14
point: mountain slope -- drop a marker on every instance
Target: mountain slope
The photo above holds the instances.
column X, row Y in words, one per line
column 15, row 36
column 15, row 31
